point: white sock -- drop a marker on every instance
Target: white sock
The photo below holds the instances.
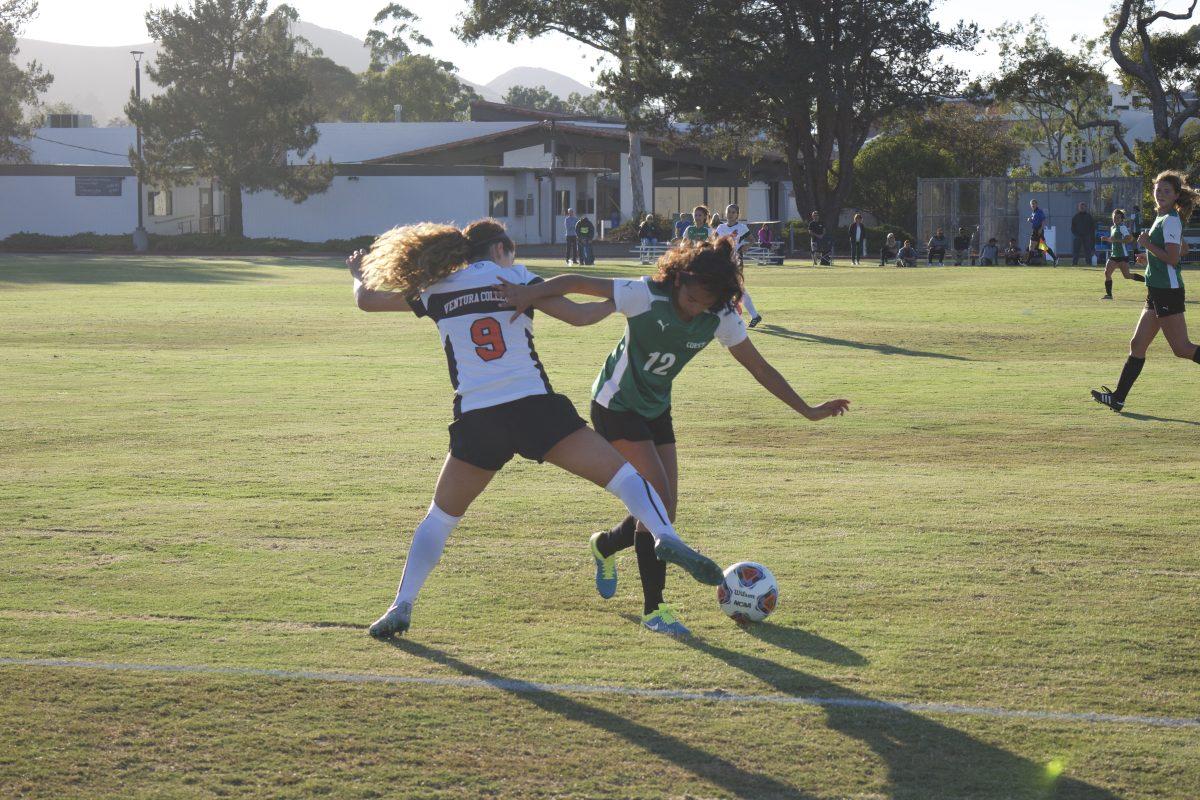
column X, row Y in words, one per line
column 425, row 552
column 642, row 501
column 749, row 305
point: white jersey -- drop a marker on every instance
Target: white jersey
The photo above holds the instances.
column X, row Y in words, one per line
column 492, row 360
column 738, row 232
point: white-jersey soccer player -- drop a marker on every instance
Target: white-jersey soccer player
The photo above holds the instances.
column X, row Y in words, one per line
column 733, row 226
column 503, row 403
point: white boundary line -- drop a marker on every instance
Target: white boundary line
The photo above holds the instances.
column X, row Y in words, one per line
column 530, row 687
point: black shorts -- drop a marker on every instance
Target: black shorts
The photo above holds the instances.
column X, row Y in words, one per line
column 614, row 425
column 1119, row 259
column 489, row 437
column 1164, row 302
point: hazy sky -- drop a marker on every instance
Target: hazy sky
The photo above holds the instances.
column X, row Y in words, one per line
column 120, row 22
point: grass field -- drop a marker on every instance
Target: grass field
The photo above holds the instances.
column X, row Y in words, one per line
column 218, row 463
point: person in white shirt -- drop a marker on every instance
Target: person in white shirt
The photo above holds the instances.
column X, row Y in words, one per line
column 503, row 402
column 740, row 231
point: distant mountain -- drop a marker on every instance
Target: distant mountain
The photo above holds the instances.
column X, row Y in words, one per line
column 557, row 83
column 98, row 80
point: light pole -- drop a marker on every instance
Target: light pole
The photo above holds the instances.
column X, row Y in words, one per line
column 141, row 240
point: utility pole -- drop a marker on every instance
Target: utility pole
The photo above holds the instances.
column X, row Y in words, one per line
column 141, row 240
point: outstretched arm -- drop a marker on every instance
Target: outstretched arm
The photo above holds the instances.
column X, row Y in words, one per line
column 749, row 357
column 522, row 296
column 368, row 299
column 577, row 314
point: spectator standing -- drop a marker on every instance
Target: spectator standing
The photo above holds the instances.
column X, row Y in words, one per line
column 989, row 254
column 586, row 232
column 648, row 231
column 858, row 239
column 680, row 225
column 816, row 235
column 975, row 242
column 888, row 251
column 572, row 237
column 1012, row 254
column 937, row 248
column 962, row 245
column 764, row 236
column 907, row 257
column 1083, row 235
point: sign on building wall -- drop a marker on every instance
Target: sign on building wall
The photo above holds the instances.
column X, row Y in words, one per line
column 94, row 186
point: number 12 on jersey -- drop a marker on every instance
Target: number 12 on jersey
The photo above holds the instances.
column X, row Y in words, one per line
column 665, row 362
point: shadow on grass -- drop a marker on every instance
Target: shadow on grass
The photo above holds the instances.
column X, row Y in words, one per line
column 924, row 758
column 102, row 269
column 1149, row 418
column 886, row 349
column 705, row 765
column 806, row 643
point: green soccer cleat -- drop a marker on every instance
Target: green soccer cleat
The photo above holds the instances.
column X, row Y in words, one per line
column 395, row 620
column 702, row 568
column 663, row 620
column 606, row 570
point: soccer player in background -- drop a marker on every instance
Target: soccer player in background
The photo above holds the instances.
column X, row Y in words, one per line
column 698, row 231
column 503, row 402
column 1165, row 248
column 734, row 227
column 1119, row 238
column 671, row 317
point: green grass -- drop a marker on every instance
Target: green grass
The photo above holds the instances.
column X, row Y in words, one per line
column 220, row 461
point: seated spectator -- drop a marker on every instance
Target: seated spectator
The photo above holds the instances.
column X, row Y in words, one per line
column 937, row 248
column 888, row 251
column 907, row 257
column 1012, row 253
column 764, row 236
column 962, row 244
column 989, row 255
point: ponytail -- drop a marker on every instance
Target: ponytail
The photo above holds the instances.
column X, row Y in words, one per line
column 1186, row 198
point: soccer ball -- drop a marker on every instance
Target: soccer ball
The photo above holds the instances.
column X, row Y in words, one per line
column 748, row 593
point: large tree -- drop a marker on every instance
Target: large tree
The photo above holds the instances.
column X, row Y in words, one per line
column 336, row 91
column 18, row 87
column 536, row 98
column 426, row 89
column 389, row 48
column 612, row 27
column 234, row 103
column 817, row 76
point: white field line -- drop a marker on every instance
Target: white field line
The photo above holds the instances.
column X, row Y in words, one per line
column 529, row 687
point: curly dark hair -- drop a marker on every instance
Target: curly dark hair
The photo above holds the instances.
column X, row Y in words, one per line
column 710, row 265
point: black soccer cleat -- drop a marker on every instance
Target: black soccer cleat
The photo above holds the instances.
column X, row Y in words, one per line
column 1105, row 398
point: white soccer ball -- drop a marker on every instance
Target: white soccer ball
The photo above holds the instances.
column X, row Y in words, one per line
column 749, row 592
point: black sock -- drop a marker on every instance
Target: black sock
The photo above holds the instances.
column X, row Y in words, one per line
column 1108, row 287
column 652, row 571
column 617, row 539
column 1137, row 276
column 1133, row 368
column 1196, row 355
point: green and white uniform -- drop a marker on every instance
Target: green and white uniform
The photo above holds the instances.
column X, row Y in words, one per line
column 1117, row 236
column 697, row 233
column 1167, row 229
column 657, row 344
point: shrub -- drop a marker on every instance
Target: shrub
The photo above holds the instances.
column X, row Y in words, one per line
column 184, row 243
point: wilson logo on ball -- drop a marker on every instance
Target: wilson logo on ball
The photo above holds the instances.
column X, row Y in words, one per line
column 749, row 574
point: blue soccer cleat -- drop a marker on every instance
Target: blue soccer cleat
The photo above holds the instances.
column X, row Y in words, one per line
column 606, row 569
column 395, row 620
column 702, row 568
column 664, row 620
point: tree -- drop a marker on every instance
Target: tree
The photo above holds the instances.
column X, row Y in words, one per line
column 980, row 145
column 1052, row 93
column 1164, row 68
column 592, row 105
column 234, row 103
column 425, row 88
column 18, row 87
column 388, row 49
column 613, row 27
column 336, row 91
column 41, row 118
column 818, row 77
column 537, row 98
column 886, row 173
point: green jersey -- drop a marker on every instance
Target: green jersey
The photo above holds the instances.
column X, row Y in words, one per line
column 697, row 233
column 1117, row 236
column 656, row 346
column 1167, row 229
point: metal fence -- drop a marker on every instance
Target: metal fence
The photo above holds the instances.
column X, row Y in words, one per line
column 999, row 207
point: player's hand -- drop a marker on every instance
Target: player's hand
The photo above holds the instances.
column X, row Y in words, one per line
column 1144, row 239
column 833, row 408
column 1140, row 258
column 516, row 296
column 354, row 263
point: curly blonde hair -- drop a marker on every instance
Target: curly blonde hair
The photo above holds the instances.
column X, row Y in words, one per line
column 411, row 258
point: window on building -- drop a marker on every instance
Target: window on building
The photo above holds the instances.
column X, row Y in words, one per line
column 159, row 203
column 498, row 204
column 519, row 207
column 562, row 201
